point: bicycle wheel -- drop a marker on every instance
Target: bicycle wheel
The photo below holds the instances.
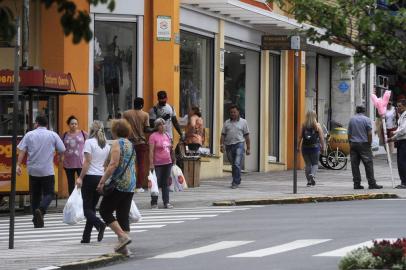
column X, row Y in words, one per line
column 336, row 160
column 323, row 161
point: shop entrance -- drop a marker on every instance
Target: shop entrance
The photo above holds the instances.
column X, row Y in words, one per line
column 241, row 87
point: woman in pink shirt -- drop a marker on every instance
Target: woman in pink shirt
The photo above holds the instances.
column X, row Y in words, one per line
column 160, row 160
column 74, row 141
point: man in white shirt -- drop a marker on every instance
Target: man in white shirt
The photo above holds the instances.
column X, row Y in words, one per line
column 400, row 138
column 40, row 145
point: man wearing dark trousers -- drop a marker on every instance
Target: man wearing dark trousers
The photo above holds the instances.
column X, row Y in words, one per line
column 400, row 138
column 40, row 145
column 360, row 138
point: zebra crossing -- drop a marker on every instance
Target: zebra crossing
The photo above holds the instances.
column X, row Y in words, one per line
column 56, row 230
column 264, row 252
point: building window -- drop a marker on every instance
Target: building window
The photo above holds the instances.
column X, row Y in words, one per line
column 114, row 75
column 274, row 106
column 196, row 79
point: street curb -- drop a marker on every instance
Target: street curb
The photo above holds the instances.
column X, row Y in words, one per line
column 307, row 199
column 103, row 260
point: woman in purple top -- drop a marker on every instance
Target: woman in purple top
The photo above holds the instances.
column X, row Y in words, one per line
column 74, row 141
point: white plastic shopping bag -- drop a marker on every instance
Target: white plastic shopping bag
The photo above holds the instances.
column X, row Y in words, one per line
column 135, row 214
column 73, row 210
column 153, row 183
column 179, row 178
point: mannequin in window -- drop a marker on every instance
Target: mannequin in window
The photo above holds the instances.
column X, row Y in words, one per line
column 112, row 77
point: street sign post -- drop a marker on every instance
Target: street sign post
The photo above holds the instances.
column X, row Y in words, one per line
column 296, row 43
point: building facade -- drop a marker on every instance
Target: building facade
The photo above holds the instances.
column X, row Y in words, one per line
column 203, row 53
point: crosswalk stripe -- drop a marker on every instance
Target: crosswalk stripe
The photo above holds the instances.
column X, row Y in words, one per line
column 206, row 249
column 34, row 232
column 280, row 248
column 59, row 236
column 343, row 251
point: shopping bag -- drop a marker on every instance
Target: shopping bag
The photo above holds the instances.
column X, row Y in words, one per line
column 73, row 210
column 153, row 183
column 135, row 214
column 179, row 177
column 175, row 185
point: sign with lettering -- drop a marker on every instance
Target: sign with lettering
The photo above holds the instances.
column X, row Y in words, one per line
column 282, row 42
column 36, row 79
column 164, row 28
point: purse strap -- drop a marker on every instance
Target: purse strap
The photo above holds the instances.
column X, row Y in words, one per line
column 126, row 166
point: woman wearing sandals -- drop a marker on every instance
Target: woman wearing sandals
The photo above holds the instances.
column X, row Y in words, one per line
column 95, row 151
column 121, row 169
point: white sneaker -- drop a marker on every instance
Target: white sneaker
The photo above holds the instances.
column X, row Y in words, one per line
column 139, row 190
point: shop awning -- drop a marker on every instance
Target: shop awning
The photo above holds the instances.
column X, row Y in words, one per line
column 264, row 20
column 39, row 82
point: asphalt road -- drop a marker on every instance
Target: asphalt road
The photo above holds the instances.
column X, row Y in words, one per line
column 277, row 237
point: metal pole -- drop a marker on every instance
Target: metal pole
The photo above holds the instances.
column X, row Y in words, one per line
column 295, row 119
column 14, row 140
column 25, row 33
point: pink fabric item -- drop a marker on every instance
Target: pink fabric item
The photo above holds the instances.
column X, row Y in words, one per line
column 382, row 102
column 162, row 149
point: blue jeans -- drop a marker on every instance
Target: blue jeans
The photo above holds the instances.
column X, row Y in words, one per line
column 42, row 192
column 311, row 160
column 235, row 154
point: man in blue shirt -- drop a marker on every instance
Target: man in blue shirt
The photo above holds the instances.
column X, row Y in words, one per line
column 40, row 145
column 360, row 138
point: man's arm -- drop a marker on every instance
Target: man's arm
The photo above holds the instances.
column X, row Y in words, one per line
column 369, row 137
column 222, row 143
column 176, row 125
column 21, row 155
column 248, row 142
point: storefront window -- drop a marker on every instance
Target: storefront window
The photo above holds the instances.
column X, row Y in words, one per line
column 234, row 79
column 6, row 116
column 114, row 69
column 274, row 106
column 196, row 78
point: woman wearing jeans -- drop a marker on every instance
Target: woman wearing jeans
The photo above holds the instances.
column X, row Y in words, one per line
column 74, row 141
column 121, row 168
column 96, row 151
column 311, row 139
column 160, row 160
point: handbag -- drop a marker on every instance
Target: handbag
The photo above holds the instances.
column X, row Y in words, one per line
column 111, row 185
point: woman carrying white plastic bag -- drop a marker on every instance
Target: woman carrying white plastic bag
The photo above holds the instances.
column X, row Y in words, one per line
column 73, row 210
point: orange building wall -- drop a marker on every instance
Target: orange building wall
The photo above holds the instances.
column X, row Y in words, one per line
column 58, row 53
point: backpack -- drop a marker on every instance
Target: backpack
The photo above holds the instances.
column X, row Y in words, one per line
column 310, row 137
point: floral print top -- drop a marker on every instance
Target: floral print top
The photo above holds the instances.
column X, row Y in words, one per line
column 126, row 183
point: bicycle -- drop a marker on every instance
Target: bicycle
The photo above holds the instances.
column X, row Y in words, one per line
column 337, row 150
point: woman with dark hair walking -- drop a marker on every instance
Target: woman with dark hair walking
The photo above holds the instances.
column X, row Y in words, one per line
column 74, row 141
column 96, row 152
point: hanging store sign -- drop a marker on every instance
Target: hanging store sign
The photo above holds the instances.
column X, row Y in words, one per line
column 282, row 42
column 164, row 26
column 36, row 79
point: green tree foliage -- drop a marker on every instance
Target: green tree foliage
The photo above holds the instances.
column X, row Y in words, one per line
column 73, row 20
column 378, row 35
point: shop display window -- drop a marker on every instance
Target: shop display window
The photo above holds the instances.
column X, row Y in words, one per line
column 196, row 79
column 114, row 77
column 274, row 106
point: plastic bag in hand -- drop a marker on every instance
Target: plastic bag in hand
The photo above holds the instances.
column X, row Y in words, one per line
column 153, row 183
column 134, row 214
column 73, row 210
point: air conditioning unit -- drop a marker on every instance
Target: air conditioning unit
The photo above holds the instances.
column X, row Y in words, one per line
column 383, row 82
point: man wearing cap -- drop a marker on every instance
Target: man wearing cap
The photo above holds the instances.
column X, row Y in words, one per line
column 400, row 138
column 165, row 111
column 360, row 138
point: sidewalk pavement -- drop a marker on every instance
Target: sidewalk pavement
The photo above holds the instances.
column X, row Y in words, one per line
column 259, row 188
